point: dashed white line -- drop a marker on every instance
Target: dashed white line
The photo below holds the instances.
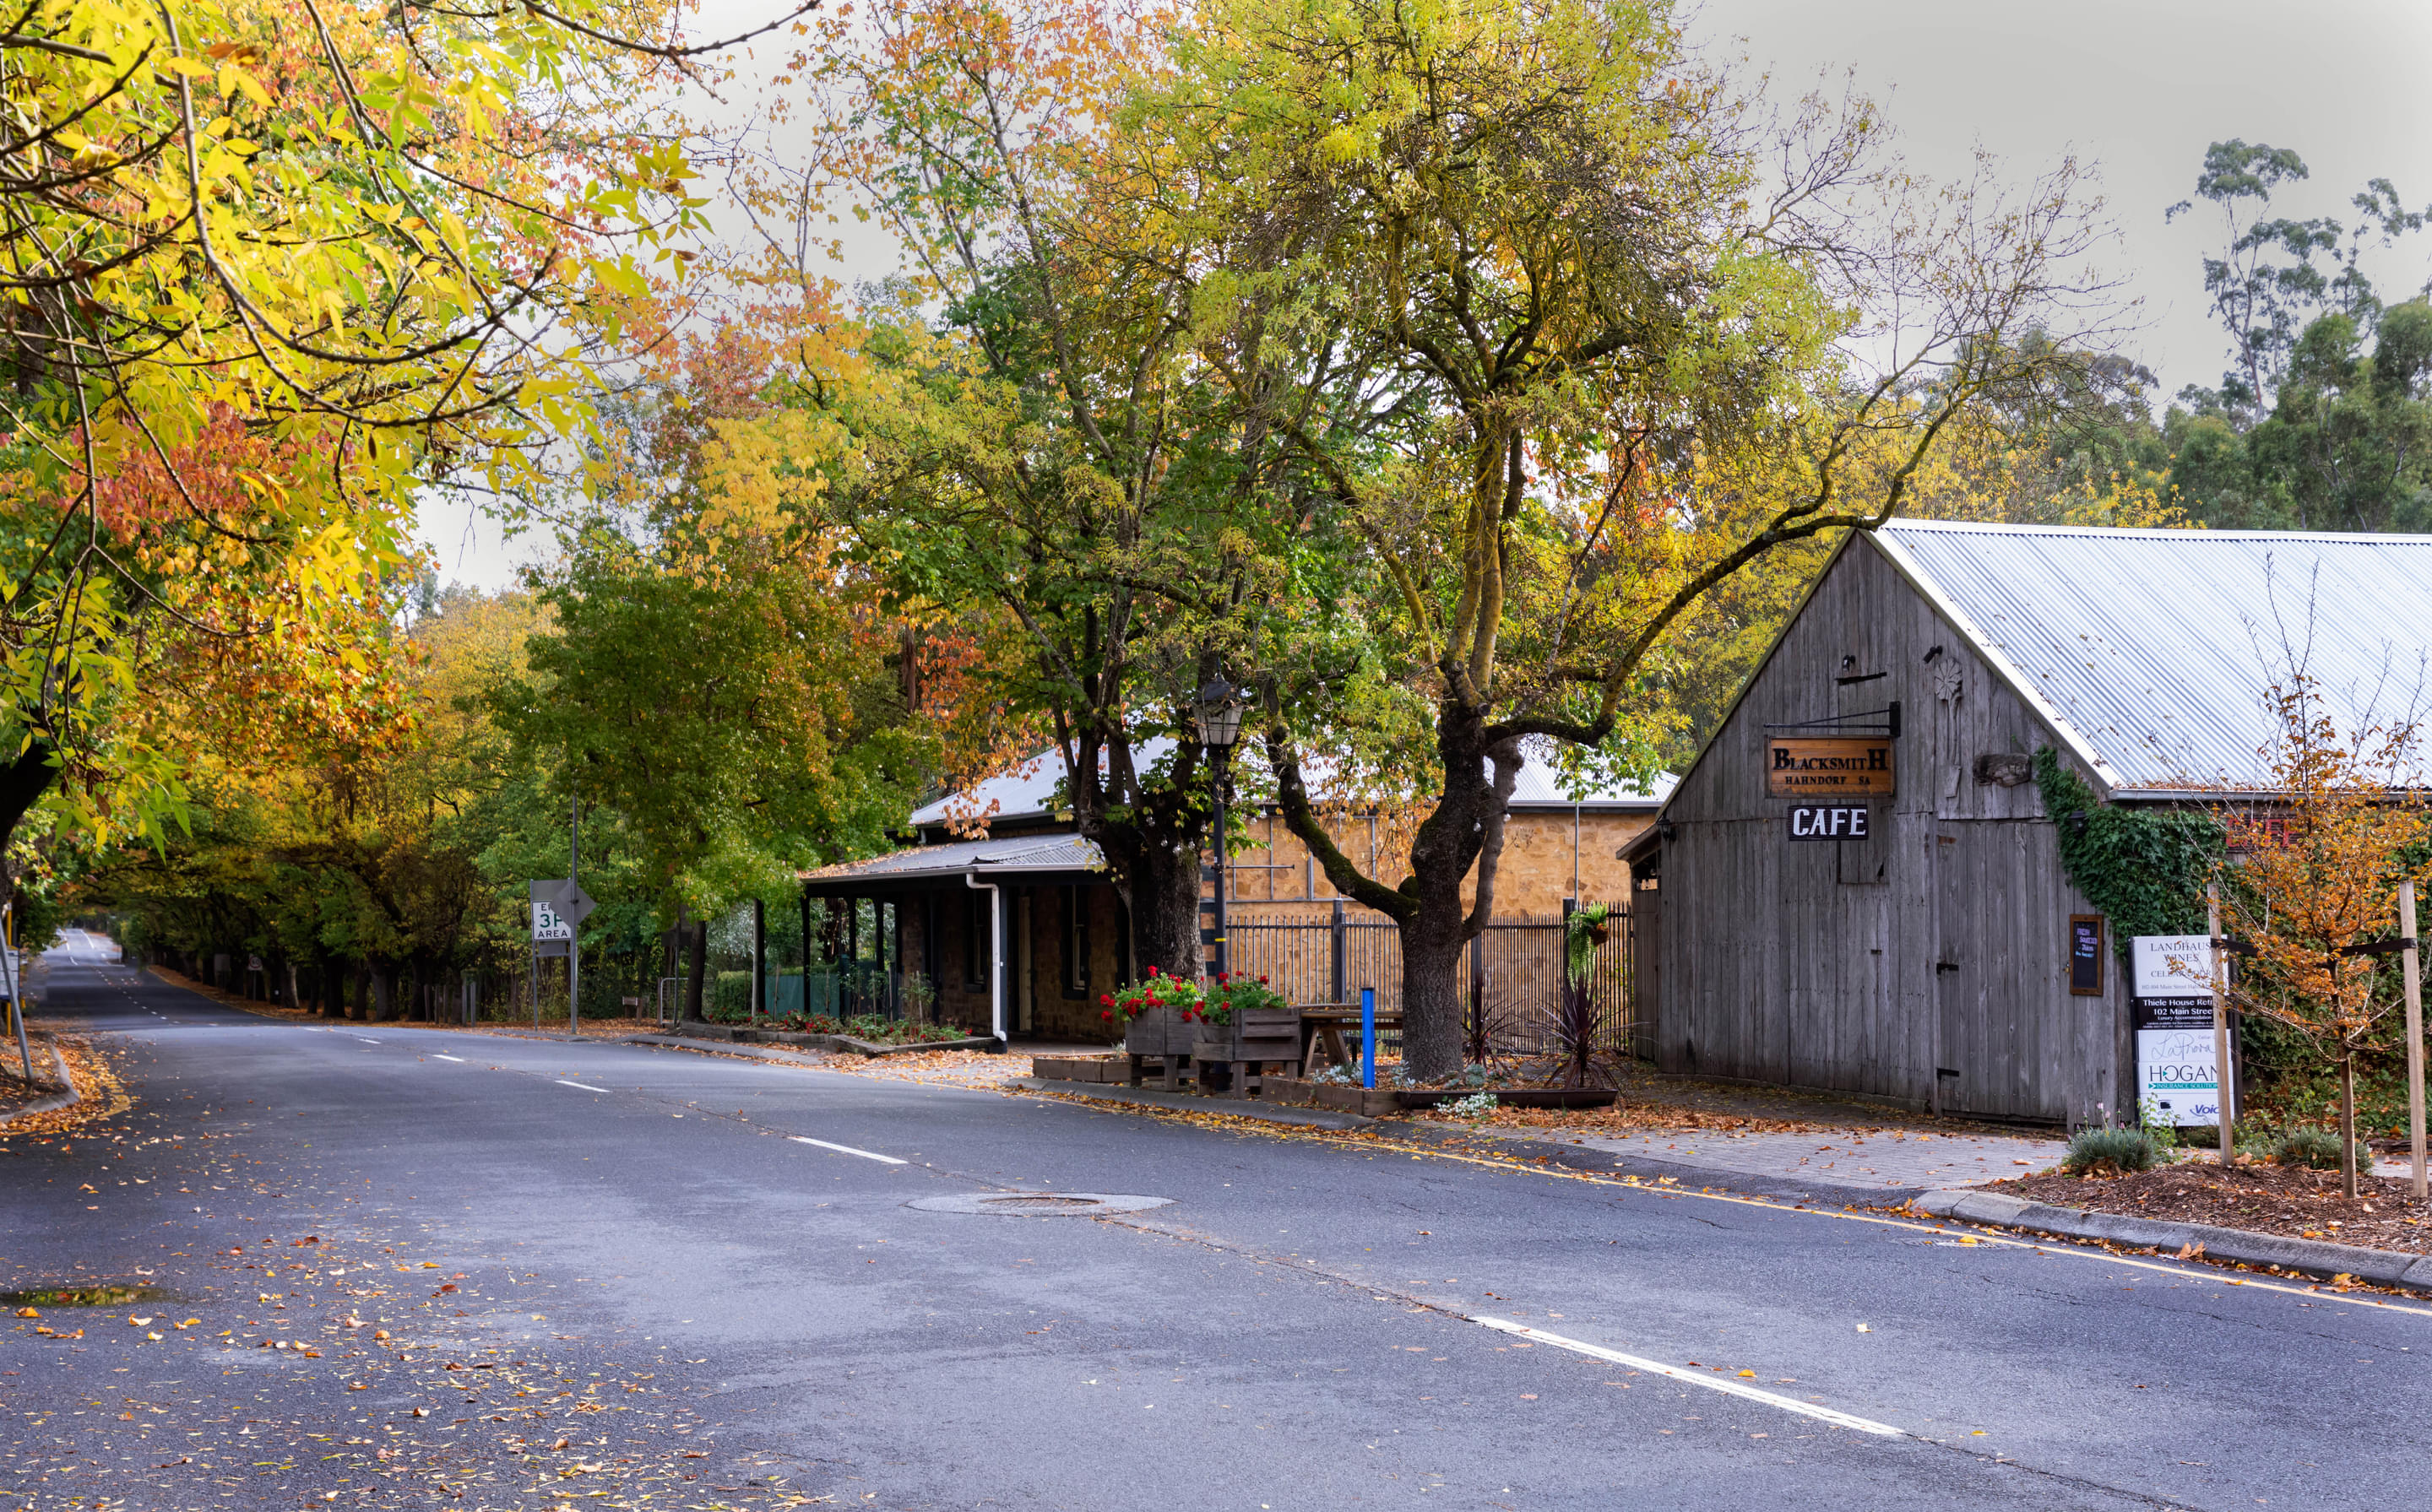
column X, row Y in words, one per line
column 366, row 1041
column 457, row 1059
column 584, row 1086
column 847, row 1149
column 1729, row 1387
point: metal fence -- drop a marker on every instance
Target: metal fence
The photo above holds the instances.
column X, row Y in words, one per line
column 1512, row 970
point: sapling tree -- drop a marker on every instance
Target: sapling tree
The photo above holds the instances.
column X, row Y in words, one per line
column 2316, row 853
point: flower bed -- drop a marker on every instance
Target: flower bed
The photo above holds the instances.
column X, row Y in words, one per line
column 2289, row 1201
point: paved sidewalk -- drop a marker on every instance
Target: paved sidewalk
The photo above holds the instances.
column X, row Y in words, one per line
column 1876, row 1157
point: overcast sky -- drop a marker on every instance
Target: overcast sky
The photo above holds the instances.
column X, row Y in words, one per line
column 2140, row 86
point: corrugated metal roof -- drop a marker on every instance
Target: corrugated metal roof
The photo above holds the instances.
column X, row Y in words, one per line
column 1036, row 852
column 1025, row 792
column 2155, row 648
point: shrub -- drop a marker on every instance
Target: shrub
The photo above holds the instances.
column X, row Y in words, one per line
column 1474, row 1106
column 2315, row 1149
column 2110, row 1152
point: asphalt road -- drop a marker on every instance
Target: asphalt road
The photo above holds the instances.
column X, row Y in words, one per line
column 621, row 1273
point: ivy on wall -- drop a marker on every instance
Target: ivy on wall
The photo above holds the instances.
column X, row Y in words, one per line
column 2144, row 868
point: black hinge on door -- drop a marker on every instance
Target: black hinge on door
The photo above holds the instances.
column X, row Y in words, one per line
column 1945, row 1071
column 1940, row 966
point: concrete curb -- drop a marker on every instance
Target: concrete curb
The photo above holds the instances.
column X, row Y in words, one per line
column 67, row 1098
column 1187, row 1102
column 730, row 1035
column 1569, row 1157
column 703, row 1047
column 2314, row 1257
column 1707, row 1178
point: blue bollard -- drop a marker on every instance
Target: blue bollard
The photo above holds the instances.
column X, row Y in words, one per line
column 1368, row 1037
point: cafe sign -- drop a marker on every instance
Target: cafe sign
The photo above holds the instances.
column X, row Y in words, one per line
column 1829, row 767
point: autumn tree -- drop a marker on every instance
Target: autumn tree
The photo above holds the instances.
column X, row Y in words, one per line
column 1569, row 337
column 271, row 267
column 2311, row 876
column 1041, row 457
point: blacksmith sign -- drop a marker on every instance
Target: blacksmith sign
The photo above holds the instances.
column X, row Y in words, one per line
column 1828, row 822
column 1829, row 768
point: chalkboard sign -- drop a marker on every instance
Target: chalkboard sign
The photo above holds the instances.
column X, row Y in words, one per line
column 2086, row 955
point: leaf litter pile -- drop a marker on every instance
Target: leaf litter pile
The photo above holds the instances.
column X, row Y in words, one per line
column 2288, row 1201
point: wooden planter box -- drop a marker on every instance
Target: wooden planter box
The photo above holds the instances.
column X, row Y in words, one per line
column 1159, row 1032
column 1109, row 1068
column 1378, row 1104
column 1254, row 1035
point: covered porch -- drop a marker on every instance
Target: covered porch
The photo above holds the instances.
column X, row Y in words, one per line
column 1014, row 937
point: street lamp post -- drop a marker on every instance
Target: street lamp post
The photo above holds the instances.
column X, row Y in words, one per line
column 1220, row 724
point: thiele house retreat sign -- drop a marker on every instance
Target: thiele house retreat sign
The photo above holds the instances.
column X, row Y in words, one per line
column 1825, row 769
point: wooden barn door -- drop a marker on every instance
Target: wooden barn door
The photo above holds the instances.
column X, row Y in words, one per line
column 1985, row 1054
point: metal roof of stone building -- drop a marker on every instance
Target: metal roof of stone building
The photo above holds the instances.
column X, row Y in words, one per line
column 1028, row 791
column 1016, row 854
column 2153, row 651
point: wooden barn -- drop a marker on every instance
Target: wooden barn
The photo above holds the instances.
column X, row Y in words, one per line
column 1855, row 887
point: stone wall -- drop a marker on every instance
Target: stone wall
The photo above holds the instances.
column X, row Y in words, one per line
column 1547, row 856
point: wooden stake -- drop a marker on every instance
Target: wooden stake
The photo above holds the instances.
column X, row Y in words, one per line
column 2414, row 1030
column 2221, row 1026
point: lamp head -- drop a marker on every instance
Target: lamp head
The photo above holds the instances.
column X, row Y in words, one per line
column 1220, row 714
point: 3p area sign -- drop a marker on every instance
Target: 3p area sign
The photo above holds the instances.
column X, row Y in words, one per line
column 557, row 906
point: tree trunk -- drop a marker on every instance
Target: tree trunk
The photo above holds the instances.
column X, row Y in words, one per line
column 699, row 966
column 1466, row 825
column 1163, row 902
column 2347, row 1122
column 1431, row 1016
column 23, row 782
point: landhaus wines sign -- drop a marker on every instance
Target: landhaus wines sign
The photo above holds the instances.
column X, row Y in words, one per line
column 1826, row 769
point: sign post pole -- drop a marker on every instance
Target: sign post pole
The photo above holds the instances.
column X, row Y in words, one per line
column 17, row 998
column 574, row 941
column 2413, row 964
column 2221, row 1024
column 1368, row 1037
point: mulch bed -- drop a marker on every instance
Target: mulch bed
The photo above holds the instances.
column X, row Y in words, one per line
column 2290, row 1201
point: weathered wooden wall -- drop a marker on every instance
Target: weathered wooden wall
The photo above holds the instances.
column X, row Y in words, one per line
column 1937, row 946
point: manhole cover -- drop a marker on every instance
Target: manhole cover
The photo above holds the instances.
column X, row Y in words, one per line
column 1039, row 1204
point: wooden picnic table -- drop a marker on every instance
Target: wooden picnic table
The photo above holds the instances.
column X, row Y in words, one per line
column 1321, row 1032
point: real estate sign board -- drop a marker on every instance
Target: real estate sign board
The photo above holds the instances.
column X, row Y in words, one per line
column 2178, row 1076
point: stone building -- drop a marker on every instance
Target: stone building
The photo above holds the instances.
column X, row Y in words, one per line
column 1019, row 932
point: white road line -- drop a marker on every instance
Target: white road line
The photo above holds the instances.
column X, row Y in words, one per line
column 367, row 1041
column 584, row 1086
column 1729, row 1387
column 847, row 1149
column 457, row 1059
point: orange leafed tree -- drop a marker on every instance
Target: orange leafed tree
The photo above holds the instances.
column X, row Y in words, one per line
column 2316, row 856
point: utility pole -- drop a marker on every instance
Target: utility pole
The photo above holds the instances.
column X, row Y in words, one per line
column 2414, row 966
column 574, row 939
column 2221, row 1024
